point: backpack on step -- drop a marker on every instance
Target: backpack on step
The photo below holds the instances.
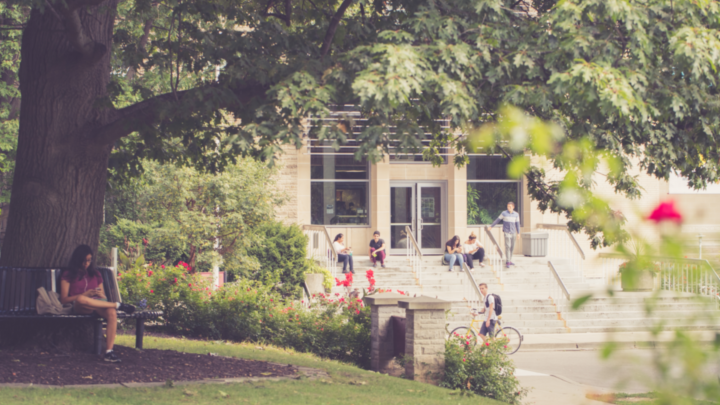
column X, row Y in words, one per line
column 498, row 303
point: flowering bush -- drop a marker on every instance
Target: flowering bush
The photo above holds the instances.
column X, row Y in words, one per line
column 336, row 327
column 484, row 370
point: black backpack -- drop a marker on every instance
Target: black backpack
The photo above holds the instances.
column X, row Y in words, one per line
column 498, row 304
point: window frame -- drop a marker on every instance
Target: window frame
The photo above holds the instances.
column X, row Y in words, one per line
column 518, row 203
column 367, row 199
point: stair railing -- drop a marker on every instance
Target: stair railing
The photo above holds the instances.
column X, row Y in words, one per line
column 320, row 247
column 694, row 276
column 558, row 292
column 415, row 256
column 494, row 254
column 472, row 294
column 563, row 245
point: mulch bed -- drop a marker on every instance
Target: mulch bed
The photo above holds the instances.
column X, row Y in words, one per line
column 148, row 365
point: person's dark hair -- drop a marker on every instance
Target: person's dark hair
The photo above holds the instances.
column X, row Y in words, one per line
column 454, row 241
column 511, row 203
column 376, row 233
column 338, row 236
column 482, row 284
column 76, row 262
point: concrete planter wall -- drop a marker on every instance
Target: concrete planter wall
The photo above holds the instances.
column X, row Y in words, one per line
column 315, row 283
column 644, row 282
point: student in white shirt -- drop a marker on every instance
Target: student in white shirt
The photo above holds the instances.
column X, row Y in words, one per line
column 472, row 249
column 488, row 327
column 344, row 254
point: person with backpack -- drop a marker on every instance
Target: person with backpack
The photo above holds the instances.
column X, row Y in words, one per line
column 493, row 307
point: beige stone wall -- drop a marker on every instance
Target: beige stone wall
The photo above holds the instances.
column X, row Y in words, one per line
column 287, row 183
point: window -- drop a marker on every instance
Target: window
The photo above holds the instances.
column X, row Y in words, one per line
column 338, row 188
column 489, row 189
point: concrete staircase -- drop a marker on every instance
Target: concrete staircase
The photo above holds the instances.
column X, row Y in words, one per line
column 525, row 294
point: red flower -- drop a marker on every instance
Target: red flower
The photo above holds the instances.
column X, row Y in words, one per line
column 665, row 212
column 149, row 272
column 162, row 266
column 175, row 280
column 151, row 291
column 271, row 300
column 357, row 311
column 487, row 343
column 463, row 359
column 189, row 285
column 145, row 241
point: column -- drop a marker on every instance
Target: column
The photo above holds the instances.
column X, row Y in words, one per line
column 424, row 338
column 383, row 306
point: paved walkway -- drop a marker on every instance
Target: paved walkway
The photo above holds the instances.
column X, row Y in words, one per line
column 572, row 341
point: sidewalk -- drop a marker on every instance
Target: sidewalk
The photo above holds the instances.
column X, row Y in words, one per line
column 593, row 341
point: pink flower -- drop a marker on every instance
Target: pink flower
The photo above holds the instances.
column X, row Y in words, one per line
column 271, row 300
column 149, row 272
column 162, row 266
column 151, row 291
column 189, row 285
column 665, row 212
column 357, row 312
column 463, row 359
column 487, row 343
column 302, row 302
column 175, row 280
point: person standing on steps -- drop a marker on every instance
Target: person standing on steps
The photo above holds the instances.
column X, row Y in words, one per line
column 377, row 250
column 488, row 327
column 472, row 249
column 511, row 229
column 344, row 254
column 453, row 252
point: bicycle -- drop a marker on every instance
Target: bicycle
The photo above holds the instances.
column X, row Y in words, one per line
column 513, row 336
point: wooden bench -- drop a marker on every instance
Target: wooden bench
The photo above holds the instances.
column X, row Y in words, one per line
column 18, row 297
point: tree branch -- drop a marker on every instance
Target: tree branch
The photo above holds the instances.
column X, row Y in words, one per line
column 334, row 22
column 166, row 106
column 141, row 45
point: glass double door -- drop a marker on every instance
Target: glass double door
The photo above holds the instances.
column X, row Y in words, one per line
column 422, row 206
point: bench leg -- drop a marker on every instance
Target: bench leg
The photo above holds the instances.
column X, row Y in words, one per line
column 98, row 332
column 139, row 332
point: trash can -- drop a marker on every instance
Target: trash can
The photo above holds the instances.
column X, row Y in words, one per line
column 534, row 244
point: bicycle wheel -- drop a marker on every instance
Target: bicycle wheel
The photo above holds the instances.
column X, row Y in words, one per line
column 513, row 339
column 464, row 335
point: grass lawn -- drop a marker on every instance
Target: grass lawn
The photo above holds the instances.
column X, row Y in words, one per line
column 347, row 384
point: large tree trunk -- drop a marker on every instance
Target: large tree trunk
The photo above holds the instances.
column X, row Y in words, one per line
column 60, row 174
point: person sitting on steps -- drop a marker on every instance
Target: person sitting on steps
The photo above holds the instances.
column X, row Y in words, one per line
column 472, row 249
column 377, row 250
column 82, row 285
column 344, row 254
column 453, row 252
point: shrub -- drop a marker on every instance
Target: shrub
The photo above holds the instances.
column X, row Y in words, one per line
column 336, row 327
column 282, row 252
column 314, row 268
column 484, row 370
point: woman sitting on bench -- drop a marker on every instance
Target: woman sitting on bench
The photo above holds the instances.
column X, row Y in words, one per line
column 82, row 285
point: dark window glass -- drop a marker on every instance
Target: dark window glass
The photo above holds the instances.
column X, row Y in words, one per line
column 486, row 201
column 337, row 167
column 339, row 203
column 487, row 168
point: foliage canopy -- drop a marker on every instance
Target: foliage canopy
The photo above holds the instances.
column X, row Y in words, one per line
column 202, row 82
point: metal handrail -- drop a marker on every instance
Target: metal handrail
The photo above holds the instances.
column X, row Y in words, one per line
column 410, row 236
column 476, row 288
column 564, row 228
column 554, row 272
column 492, row 239
column 323, row 229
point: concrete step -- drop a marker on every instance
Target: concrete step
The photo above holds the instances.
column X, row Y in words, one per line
column 638, row 328
column 572, row 316
column 647, row 322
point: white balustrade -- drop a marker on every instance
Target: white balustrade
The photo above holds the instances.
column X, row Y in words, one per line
column 471, row 290
column 320, row 247
column 693, row 276
column 493, row 243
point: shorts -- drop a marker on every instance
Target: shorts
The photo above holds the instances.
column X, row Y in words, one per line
column 484, row 329
column 76, row 313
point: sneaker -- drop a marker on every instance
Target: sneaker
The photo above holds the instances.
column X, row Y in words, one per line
column 482, row 265
column 507, row 265
column 111, row 357
column 382, row 265
column 375, row 265
column 127, row 308
column 511, row 263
